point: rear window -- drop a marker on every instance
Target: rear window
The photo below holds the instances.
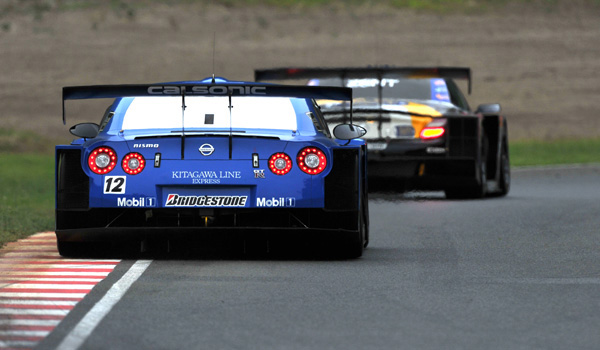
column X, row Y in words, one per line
column 393, row 89
column 210, row 113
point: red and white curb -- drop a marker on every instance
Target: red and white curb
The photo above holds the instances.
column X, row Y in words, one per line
column 38, row 288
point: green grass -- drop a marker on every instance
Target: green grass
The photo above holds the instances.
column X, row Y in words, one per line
column 532, row 152
column 20, row 141
column 128, row 8
column 27, row 196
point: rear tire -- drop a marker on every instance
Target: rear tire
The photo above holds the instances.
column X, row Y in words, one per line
column 365, row 213
column 504, row 181
column 354, row 243
column 74, row 249
column 479, row 189
column 69, row 249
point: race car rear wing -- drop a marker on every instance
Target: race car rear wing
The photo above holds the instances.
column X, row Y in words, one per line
column 209, row 89
column 213, row 89
column 366, row 72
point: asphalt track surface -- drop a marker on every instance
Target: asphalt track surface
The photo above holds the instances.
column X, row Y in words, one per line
column 520, row 272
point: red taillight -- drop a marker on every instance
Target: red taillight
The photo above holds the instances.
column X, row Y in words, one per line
column 280, row 163
column 429, row 133
column 311, row 160
column 102, row 160
column 133, row 163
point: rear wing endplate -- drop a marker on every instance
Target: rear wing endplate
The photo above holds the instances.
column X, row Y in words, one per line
column 219, row 89
column 367, row 72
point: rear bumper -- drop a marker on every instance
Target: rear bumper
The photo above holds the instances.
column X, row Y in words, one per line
column 429, row 164
column 113, row 234
column 106, row 224
column 462, row 141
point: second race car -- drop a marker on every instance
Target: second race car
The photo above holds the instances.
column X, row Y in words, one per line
column 422, row 133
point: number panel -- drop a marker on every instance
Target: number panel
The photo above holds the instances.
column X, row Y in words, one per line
column 114, row 184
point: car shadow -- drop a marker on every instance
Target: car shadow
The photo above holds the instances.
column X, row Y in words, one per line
column 394, row 196
column 225, row 246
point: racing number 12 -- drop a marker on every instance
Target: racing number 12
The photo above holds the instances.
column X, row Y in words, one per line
column 114, row 184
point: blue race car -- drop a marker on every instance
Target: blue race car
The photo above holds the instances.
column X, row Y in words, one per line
column 212, row 156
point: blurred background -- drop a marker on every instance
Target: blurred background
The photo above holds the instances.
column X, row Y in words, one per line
column 539, row 59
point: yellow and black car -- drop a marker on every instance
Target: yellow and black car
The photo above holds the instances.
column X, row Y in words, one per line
column 421, row 132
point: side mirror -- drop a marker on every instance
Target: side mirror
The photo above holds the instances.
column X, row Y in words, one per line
column 491, row 108
column 85, row 130
column 348, row 131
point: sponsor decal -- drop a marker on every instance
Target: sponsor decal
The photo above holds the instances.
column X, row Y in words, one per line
column 207, row 90
column 371, row 82
column 176, row 200
column 276, row 202
column 136, row 202
column 439, row 90
column 259, row 173
column 435, row 150
column 206, row 149
column 145, row 145
column 376, row 146
column 206, row 176
column 205, row 181
column 114, row 184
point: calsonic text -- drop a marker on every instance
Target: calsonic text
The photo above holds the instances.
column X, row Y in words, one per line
column 207, row 90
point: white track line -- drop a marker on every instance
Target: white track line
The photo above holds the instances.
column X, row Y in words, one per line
column 42, row 295
column 54, row 273
column 47, row 279
column 17, row 322
column 88, row 323
column 24, row 333
column 63, row 266
column 17, row 344
column 50, row 286
column 54, row 312
column 28, row 257
column 38, row 302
